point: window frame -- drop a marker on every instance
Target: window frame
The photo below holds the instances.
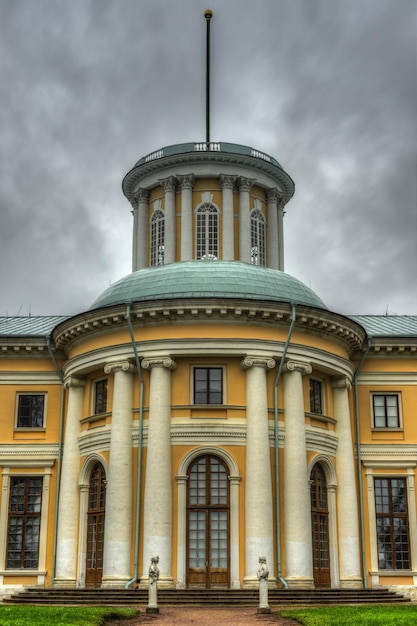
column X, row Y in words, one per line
column 386, row 426
column 207, row 247
column 22, row 394
column 221, row 368
column 157, row 238
column 316, row 381
column 94, row 398
column 257, row 238
column 392, row 515
column 26, row 515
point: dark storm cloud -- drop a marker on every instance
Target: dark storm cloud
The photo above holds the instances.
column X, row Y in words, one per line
column 326, row 86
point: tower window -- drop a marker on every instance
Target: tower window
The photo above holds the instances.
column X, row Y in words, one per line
column 207, row 235
column 157, row 238
column 257, row 237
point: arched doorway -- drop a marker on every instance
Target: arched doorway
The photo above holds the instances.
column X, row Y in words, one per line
column 95, row 526
column 208, row 520
column 320, row 527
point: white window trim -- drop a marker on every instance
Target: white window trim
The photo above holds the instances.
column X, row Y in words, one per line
column 206, row 199
column 224, row 381
column 45, row 411
column 400, row 417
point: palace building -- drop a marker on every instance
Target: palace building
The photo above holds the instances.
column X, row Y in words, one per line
column 208, row 408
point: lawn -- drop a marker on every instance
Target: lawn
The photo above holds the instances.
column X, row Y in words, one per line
column 378, row 615
column 59, row 615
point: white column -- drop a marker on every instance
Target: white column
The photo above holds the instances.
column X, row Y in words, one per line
column 118, row 523
column 67, row 538
column 228, row 239
column 272, row 197
column 157, row 532
column 347, row 501
column 245, row 185
column 186, row 183
column 234, row 532
column 182, row 531
column 281, row 235
column 258, row 491
column 168, row 185
column 140, row 237
column 297, row 506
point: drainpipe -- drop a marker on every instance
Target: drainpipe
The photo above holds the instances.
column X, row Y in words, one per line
column 139, row 469
column 358, row 448
column 61, row 430
column 277, row 492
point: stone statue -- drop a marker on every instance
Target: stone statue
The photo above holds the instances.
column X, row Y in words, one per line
column 263, row 573
column 153, row 580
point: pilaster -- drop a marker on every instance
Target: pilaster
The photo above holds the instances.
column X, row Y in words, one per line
column 186, row 183
column 169, row 186
column 273, row 197
column 140, row 233
column 244, row 185
column 227, row 184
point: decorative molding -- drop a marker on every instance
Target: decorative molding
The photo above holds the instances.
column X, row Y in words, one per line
column 159, row 362
column 341, row 383
column 387, row 378
column 320, row 440
column 227, row 182
column 119, row 366
column 29, row 378
column 168, row 184
column 245, row 184
column 274, row 195
column 142, row 195
column 186, row 181
column 250, row 361
column 298, row 366
column 72, row 381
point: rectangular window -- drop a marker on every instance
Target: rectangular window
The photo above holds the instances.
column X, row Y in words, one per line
column 386, row 410
column 392, row 524
column 24, row 523
column 208, row 385
column 316, row 396
column 30, row 410
column 100, row 396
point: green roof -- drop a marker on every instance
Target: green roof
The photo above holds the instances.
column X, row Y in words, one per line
column 36, row 326
column 388, row 325
column 208, row 279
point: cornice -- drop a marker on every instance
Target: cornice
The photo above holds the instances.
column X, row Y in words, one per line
column 20, row 346
column 320, row 322
column 28, row 455
column 29, row 378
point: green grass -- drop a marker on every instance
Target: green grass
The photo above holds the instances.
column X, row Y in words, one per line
column 59, row 615
column 376, row 615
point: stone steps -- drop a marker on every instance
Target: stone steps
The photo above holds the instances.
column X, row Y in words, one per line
column 223, row 597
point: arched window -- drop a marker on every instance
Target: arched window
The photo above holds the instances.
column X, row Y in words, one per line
column 257, row 237
column 320, row 526
column 157, row 238
column 207, row 231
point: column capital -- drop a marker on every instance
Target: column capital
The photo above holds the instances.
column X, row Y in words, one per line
column 119, row 366
column 226, row 181
column 298, row 366
column 251, row 361
column 72, row 381
column 159, row 362
column 342, row 382
column 274, row 195
column 186, row 181
column 168, row 184
column 245, row 184
column 141, row 195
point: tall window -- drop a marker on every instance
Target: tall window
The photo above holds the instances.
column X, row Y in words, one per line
column 257, row 237
column 24, row 523
column 207, row 234
column 208, row 385
column 392, row 524
column 157, row 238
column 316, row 396
column 100, row 396
column 30, row 410
column 386, row 410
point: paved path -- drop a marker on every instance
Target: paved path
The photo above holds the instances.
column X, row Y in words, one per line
column 204, row 616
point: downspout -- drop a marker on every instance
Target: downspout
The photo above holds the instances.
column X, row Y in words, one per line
column 277, row 491
column 358, row 448
column 139, row 468
column 59, row 468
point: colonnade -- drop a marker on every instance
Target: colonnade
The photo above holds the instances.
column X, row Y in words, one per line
column 228, row 184
column 158, row 497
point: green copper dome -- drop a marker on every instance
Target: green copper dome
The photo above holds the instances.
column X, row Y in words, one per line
column 208, row 279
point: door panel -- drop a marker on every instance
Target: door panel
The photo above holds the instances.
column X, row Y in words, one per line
column 95, row 527
column 320, row 527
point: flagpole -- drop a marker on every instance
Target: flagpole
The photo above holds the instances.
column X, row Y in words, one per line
column 208, row 14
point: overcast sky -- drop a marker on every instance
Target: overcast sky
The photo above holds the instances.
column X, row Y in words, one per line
column 328, row 87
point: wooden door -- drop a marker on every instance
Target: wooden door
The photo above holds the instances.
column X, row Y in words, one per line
column 95, row 527
column 320, row 527
column 208, row 513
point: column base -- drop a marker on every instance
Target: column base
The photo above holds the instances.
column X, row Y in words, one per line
column 164, row 582
column 354, row 582
column 114, row 582
column 152, row 609
column 65, row 583
column 262, row 610
column 300, row 582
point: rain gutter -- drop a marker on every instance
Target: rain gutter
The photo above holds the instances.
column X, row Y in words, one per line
column 277, row 477
column 358, row 449
column 59, row 468
column 140, row 440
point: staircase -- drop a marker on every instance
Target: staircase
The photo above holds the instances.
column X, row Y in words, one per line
column 220, row 597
